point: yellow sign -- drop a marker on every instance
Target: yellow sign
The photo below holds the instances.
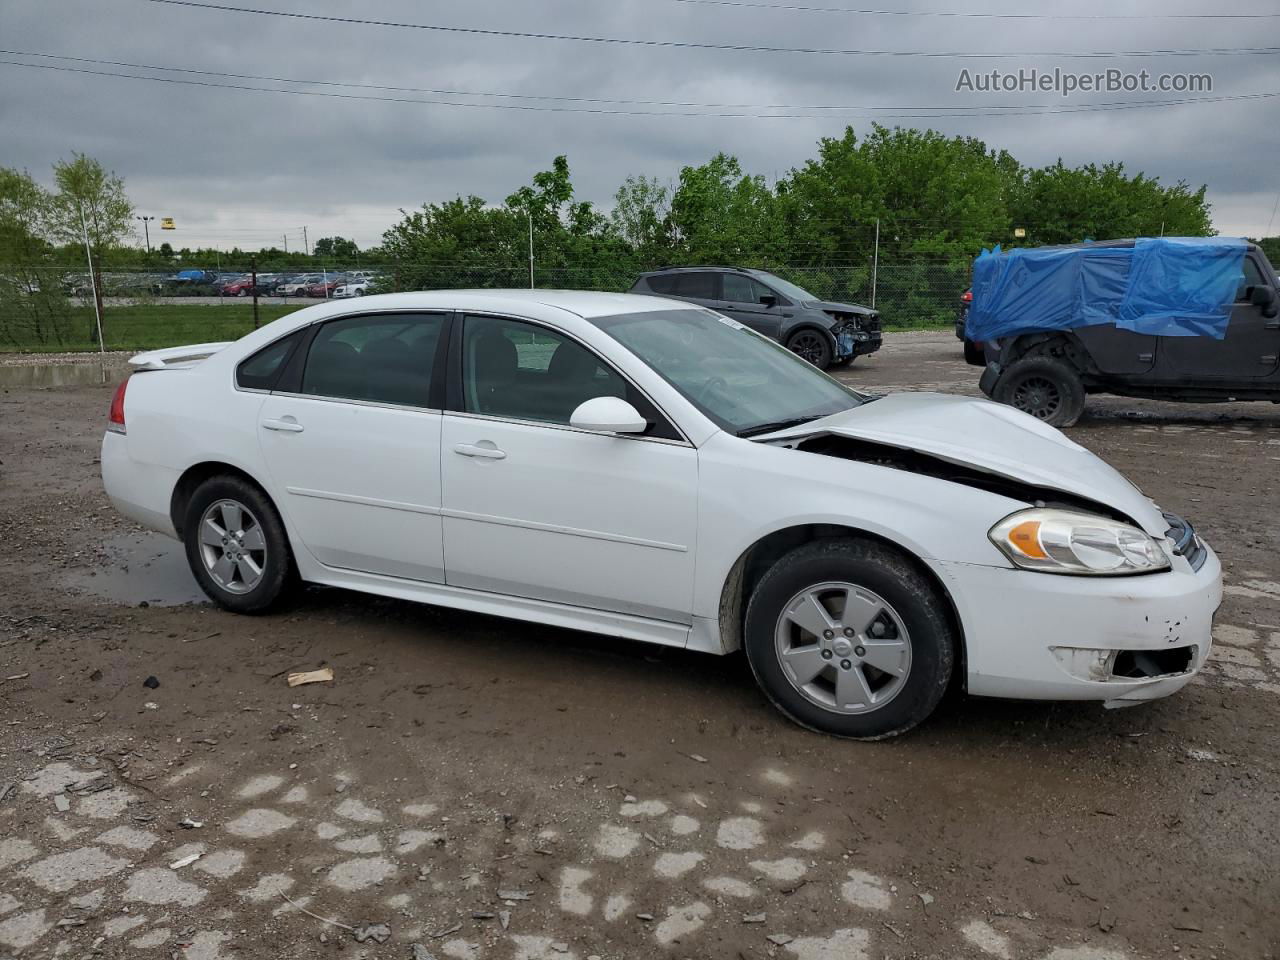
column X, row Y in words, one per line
column 166, row 223
column 1018, row 232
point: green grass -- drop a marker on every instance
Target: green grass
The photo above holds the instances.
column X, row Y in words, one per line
column 150, row 327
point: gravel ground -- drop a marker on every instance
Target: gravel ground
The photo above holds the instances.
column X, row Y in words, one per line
column 489, row 789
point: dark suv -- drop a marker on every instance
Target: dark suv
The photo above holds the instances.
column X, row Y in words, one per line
column 1047, row 374
column 825, row 334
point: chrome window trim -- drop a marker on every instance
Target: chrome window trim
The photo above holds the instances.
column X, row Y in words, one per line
column 378, row 404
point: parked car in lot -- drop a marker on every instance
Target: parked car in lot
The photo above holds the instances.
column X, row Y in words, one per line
column 184, row 281
column 352, row 288
column 1048, row 373
column 974, row 353
column 241, row 286
column 825, row 334
column 639, row 468
column 297, row 286
column 324, row 287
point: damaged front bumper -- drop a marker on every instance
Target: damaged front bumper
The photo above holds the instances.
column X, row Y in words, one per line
column 856, row 341
column 1120, row 640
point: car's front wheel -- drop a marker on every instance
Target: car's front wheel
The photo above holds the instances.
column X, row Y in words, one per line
column 847, row 637
column 236, row 545
column 811, row 345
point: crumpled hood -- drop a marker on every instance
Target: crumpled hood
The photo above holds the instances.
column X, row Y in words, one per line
column 990, row 437
column 850, row 308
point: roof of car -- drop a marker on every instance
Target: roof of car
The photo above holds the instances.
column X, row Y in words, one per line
column 703, row 266
column 581, row 303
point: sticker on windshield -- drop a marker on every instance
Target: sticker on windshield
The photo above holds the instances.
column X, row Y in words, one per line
column 727, row 321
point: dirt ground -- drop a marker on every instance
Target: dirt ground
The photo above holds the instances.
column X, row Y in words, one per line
column 488, row 789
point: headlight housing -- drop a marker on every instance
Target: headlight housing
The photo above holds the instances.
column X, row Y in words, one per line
column 1064, row 541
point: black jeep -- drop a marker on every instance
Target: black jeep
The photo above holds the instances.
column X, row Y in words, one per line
column 1048, row 373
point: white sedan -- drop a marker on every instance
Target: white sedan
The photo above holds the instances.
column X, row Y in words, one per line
column 353, row 288
column 654, row 471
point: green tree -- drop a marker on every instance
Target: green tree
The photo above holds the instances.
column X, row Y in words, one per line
column 459, row 243
column 641, row 218
column 719, row 214
column 336, row 248
column 33, row 307
column 1061, row 204
column 85, row 188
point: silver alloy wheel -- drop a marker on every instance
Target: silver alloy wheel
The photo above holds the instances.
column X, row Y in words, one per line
column 843, row 647
column 232, row 546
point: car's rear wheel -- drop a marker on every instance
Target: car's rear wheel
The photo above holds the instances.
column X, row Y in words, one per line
column 1044, row 387
column 811, row 345
column 236, row 545
column 847, row 637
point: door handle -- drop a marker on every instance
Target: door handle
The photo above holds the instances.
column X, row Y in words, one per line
column 287, row 425
column 484, row 450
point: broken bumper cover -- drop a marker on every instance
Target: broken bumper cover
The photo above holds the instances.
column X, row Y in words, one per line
column 1120, row 640
column 855, row 343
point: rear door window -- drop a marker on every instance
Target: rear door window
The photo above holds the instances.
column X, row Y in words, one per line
column 262, row 370
column 381, row 358
column 697, row 286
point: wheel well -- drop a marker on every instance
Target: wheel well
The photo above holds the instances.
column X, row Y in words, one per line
column 765, row 552
column 196, row 475
column 1059, row 345
column 807, row 326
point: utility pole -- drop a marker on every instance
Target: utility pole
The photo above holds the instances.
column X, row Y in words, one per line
column 875, row 266
column 530, row 212
column 146, row 231
column 93, row 282
column 306, row 245
column 285, row 238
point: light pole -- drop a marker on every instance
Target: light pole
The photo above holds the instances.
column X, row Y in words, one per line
column 146, row 230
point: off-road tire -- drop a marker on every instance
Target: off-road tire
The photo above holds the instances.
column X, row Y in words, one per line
column 886, row 572
column 1047, row 388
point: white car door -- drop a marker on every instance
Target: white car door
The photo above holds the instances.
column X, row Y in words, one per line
column 354, row 453
column 535, row 508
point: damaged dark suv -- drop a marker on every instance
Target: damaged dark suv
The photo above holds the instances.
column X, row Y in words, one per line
column 826, row 334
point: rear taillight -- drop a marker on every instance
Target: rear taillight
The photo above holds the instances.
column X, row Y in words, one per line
column 115, row 419
column 967, row 296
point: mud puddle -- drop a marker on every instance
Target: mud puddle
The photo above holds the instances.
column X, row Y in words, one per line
column 140, row 568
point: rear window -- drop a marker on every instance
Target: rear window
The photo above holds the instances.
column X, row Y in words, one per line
column 700, row 286
column 262, row 370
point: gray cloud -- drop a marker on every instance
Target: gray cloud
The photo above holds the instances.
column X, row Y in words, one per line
column 235, row 166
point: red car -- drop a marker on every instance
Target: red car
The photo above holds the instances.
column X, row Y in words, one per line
column 325, row 288
column 240, row 287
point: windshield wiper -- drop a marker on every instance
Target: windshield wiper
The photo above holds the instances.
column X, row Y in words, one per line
column 762, row 428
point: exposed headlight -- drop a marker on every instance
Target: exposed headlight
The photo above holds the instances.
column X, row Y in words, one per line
column 1062, row 541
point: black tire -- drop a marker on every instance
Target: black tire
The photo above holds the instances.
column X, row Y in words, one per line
column 813, row 345
column 1044, row 387
column 974, row 354
column 882, row 571
column 275, row 560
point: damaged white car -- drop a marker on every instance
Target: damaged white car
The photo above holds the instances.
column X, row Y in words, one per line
column 617, row 464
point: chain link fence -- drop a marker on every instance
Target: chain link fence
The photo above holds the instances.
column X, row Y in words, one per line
column 51, row 308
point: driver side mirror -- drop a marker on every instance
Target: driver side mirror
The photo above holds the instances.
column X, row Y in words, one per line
column 768, row 299
column 608, row 415
column 1263, row 296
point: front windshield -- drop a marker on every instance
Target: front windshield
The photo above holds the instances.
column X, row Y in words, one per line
column 745, row 383
column 787, row 288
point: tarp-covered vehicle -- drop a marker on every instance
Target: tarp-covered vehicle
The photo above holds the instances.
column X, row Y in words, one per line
column 1175, row 318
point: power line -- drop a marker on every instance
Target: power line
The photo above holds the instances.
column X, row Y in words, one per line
column 736, row 47
column 943, row 109
column 802, row 8
column 909, row 113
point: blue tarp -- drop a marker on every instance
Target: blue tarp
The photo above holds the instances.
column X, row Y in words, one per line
column 1169, row 287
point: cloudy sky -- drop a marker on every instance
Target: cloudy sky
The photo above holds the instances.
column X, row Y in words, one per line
column 246, row 167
